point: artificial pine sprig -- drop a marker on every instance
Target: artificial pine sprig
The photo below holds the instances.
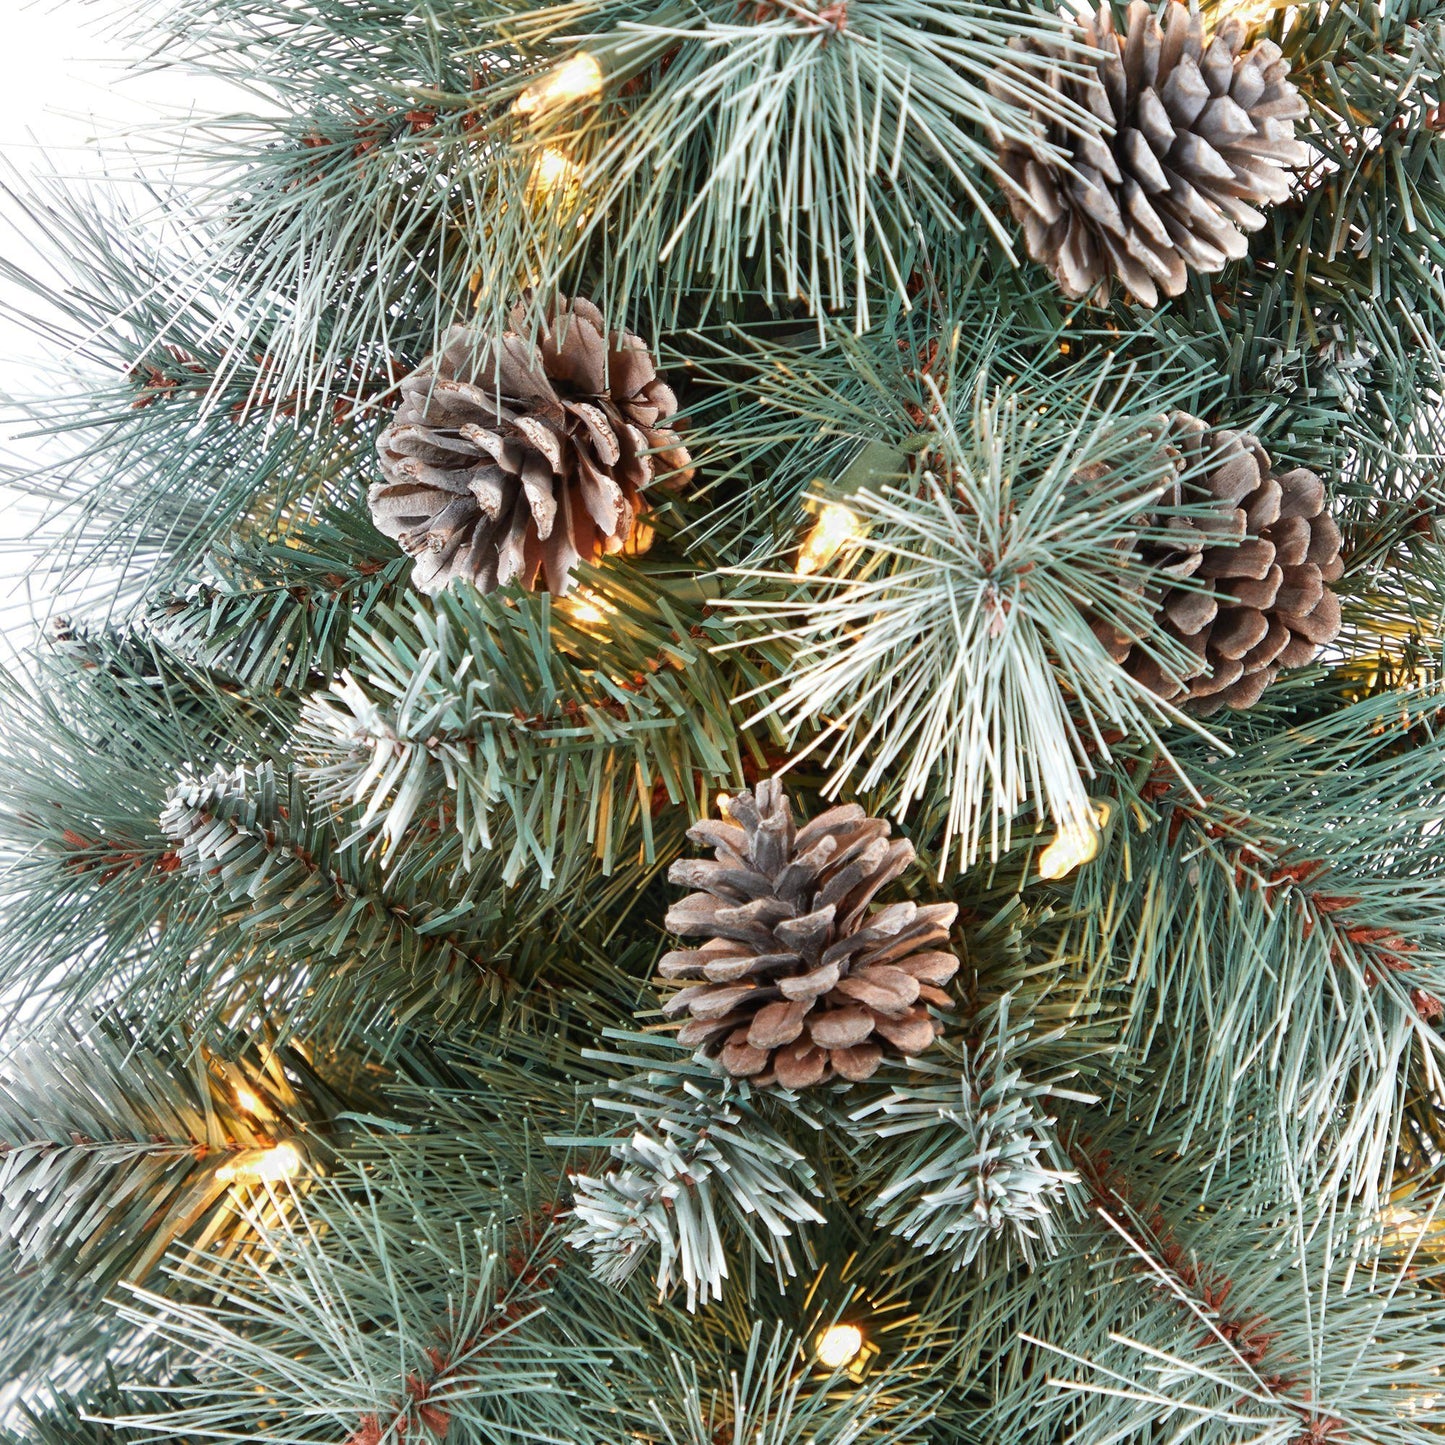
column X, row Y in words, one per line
column 969, row 663
column 984, row 1161
column 697, row 1162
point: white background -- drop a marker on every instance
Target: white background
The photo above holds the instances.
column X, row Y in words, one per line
column 70, row 92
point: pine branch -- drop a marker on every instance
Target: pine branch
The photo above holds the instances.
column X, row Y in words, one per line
column 113, row 1150
column 363, row 1317
column 1273, row 1342
column 968, row 663
column 775, row 412
column 769, row 1398
column 694, row 1153
column 538, row 731
column 272, row 613
column 364, row 219
column 983, row 1162
column 820, row 139
column 280, row 881
column 173, row 428
column 94, row 897
column 1277, row 941
column 795, row 152
column 69, row 1419
column 1367, row 222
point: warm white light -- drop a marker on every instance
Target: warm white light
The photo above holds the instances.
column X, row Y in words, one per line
column 1403, row 1228
column 1075, row 845
column 587, row 607
column 263, row 1166
column 553, row 171
column 1252, row 12
column 723, row 799
column 579, row 78
column 839, row 1345
column 639, row 539
column 836, row 526
column 249, row 1100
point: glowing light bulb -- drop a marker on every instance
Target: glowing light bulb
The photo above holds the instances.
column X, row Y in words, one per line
column 1252, row 12
column 552, row 171
column 723, row 799
column 1074, row 845
column 249, row 1100
column 587, row 607
column 836, row 526
column 579, row 78
column 1403, row 1228
column 839, row 1345
column 639, row 539
column 263, row 1166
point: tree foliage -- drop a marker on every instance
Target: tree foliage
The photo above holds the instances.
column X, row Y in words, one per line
column 291, row 855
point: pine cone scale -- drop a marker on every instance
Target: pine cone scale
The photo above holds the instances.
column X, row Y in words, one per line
column 930, row 968
column 1240, row 629
column 779, row 1023
column 697, row 1032
column 909, row 1034
column 887, row 991
column 1256, row 591
column 813, row 984
column 800, row 1065
column 1300, row 591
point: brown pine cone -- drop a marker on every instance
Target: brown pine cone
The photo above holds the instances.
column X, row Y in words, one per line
column 1202, row 135
column 1257, row 573
column 799, row 978
column 507, row 462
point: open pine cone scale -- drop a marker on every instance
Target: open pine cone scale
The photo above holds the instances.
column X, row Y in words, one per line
column 801, row 978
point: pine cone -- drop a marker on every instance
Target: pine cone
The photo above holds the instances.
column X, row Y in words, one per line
column 507, row 461
column 1258, row 598
column 1201, row 136
column 799, row 978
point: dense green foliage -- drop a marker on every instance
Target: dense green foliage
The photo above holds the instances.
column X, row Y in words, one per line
column 293, row 855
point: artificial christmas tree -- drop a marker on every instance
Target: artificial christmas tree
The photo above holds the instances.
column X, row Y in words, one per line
column 1051, row 1048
